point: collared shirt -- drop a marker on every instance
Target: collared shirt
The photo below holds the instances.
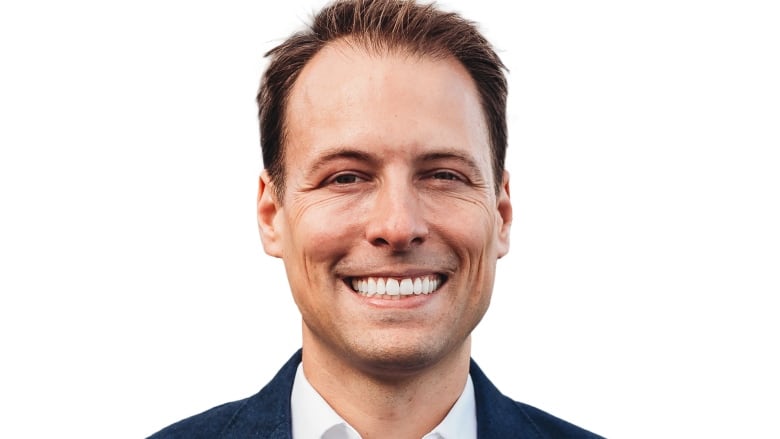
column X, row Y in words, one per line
column 313, row 418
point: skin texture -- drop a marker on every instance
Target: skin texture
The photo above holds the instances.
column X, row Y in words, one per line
column 388, row 174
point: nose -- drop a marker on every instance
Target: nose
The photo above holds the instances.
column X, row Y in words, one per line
column 396, row 220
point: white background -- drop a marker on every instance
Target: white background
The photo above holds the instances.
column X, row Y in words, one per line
column 639, row 298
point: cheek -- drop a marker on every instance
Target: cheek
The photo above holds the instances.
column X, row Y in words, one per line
column 320, row 231
column 468, row 223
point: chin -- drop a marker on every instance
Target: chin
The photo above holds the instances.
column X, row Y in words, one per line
column 394, row 359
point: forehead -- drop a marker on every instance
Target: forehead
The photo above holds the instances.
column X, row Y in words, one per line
column 348, row 96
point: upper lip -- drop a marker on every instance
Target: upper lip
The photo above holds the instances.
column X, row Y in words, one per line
column 421, row 265
column 396, row 274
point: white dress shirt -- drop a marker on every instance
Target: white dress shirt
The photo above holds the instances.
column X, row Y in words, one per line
column 313, row 418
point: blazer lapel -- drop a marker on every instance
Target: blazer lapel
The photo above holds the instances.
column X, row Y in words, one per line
column 267, row 414
column 497, row 415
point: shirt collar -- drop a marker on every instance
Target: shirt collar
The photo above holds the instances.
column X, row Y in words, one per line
column 461, row 421
column 312, row 417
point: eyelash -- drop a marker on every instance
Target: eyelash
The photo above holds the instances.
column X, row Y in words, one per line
column 354, row 177
column 446, row 175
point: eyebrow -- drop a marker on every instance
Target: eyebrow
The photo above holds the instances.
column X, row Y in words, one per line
column 342, row 153
column 453, row 155
column 347, row 153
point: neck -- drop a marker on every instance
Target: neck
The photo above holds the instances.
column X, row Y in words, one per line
column 382, row 403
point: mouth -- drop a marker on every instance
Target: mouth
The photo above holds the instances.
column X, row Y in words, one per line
column 396, row 288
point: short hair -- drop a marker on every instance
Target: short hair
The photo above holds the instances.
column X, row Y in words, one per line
column 382, row 26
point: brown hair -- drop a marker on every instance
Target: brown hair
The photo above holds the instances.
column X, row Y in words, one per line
column 382, row 26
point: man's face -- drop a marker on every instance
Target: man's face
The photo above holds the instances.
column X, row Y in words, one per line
column 389, row 186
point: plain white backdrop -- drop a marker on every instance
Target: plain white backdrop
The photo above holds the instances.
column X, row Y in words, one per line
column 640, row 296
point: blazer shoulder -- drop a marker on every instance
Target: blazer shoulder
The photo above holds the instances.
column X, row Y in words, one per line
column 205, row 425
column 263, row 415
column 552, row 426
column 501, row 416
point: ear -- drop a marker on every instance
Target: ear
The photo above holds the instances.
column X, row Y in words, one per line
column 268, row 208
column 504, row 206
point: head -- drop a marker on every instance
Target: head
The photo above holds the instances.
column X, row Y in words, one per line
column 384, row 191
column 382, row 26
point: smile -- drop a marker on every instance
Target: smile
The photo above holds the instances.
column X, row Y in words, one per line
column 394, row 288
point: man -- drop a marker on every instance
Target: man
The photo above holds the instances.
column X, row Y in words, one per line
column 383, row 133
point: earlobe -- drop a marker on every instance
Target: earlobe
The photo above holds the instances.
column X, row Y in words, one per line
column 504, row 206
column 268, row 207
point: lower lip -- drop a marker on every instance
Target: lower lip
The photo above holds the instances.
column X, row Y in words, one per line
column 404, row 302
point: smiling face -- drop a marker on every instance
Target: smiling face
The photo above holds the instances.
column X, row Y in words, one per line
column 390, row 225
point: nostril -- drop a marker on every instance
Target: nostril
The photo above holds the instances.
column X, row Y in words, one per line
column 400, row 244
column 381, row 242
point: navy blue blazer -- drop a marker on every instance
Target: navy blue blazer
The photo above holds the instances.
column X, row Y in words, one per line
column 267, row 415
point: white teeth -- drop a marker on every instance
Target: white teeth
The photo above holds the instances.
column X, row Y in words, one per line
column 380, row 286
column 392, row 288
column 407, row 287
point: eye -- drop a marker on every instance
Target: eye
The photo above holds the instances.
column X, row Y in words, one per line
column 446, row 175
column 345, row 178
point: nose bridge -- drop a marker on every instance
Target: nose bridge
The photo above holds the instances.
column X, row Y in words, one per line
column 397, row 219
